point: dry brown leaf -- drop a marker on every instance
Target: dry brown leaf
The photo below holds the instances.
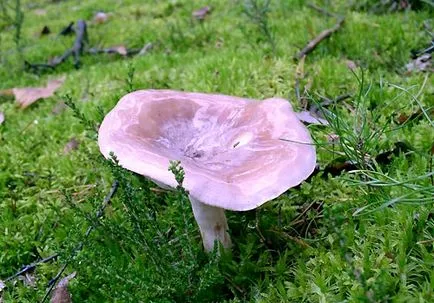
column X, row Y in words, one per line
column 423, row 63
column 2, row 119
column 351, row 65
column 61, row 293
column 71, row 145
column 201, row 13
column 28, row 95
column 100, row 17
column 310, row 118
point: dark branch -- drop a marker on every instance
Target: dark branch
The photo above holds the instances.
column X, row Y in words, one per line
column 31, row 267
column 76, row 50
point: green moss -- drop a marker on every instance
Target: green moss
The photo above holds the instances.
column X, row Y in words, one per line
column 306, row 246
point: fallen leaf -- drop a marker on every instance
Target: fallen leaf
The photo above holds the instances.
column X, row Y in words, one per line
column 100, row 17
column 61, row 293
column 71, row 145
column 28, row 95
column 121, row 50
column 310, row 118
column 2, row 119
column 332, row 138
column 201, row 13
column 67, row 30
column 415, row 116
column 422, row 63
column 58, row 108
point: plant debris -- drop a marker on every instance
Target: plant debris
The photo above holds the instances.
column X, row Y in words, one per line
column 311, row 45
column 26, row 96
column 31, row 267
column 201, row 13
column 413, row 117
column 45, row 30
column 58, row 108
column 352, row 66
column 100, row 17
column 423, row 63
column 75, row 51
column 120, row 49
column 67, row 30
column 61, row 293
column 310, row 118
column 341, row 164
column 28, row 279
column 72, row 144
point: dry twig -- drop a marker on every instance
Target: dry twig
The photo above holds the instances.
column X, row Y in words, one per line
column 76, row 50
column 317, row 40
column 31, row 267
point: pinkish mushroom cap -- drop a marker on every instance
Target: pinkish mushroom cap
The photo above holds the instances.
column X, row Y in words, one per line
column 230, row 148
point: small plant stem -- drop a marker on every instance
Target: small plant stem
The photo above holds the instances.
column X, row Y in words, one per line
column 80, row 245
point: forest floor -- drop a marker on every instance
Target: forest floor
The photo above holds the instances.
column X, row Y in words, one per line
column 360, row 230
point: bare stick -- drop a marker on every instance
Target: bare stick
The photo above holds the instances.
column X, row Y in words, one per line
column 317, row 40
column 79, row 247
column 114, row 50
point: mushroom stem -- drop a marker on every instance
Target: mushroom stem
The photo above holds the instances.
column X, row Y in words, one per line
column 212, row 223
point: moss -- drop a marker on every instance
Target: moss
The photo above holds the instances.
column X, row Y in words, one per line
column 307, row 245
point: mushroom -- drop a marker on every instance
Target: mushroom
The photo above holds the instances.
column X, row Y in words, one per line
column 236, row 153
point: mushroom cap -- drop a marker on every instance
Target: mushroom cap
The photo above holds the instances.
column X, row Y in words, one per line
column 230, row 148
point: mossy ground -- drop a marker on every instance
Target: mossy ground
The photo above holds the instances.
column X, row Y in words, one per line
column 305, row 246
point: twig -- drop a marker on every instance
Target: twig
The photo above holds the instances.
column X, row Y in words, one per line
column 75, row 51
column 79, row 247
column 317, row 40
column 31, row 267
column 114, row 50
